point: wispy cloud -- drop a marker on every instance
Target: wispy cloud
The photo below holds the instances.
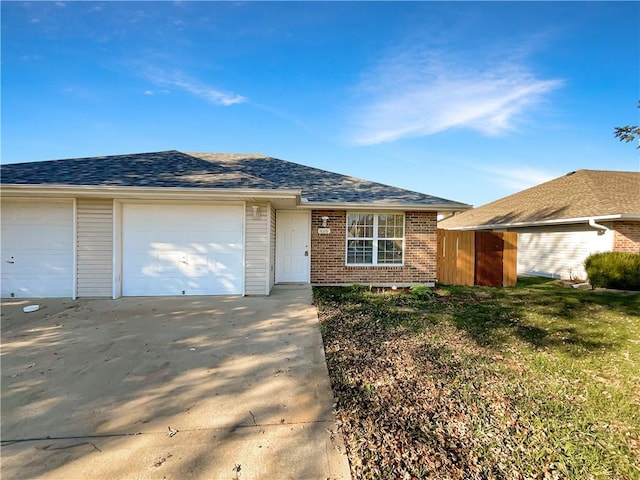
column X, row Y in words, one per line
column 179, row 81
column 422, row 92
column 517, row 177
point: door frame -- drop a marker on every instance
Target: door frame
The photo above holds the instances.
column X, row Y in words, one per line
column 307, row 215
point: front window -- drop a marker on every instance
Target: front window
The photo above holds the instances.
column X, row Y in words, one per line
column 375, row 239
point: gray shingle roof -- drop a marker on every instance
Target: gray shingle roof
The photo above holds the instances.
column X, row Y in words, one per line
column 212, row 170
column 580, row 194
column 161, row 169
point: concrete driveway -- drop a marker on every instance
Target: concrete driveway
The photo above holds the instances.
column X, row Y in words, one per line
column 91, row 389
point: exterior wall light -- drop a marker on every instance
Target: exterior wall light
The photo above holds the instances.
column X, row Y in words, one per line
column 256, row 211
column 324, row 221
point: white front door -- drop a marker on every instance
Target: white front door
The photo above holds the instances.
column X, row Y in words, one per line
column 182, row 250
column 293, row 235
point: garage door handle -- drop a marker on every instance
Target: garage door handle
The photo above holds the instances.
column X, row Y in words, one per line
column 10, row 261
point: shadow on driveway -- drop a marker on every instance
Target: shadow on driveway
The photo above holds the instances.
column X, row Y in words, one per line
column 91, row 389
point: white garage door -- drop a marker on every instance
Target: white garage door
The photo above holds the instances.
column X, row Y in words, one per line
column 182, row 250
column 37, row 249
column 559, row 254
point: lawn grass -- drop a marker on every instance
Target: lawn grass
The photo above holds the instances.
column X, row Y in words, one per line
column 535, row 381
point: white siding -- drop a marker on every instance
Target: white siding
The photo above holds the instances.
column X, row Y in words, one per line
column 272, row 247
column 94, row 248
column 117, row 249
column 256, row 249
column 559, row 254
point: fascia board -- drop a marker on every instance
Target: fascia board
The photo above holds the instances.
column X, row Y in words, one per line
column 456, row 207
column 542, row 223
column 17, row 190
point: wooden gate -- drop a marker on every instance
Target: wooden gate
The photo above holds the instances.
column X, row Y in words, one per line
column 456, row 257
column 477, row 258
column 488, row 268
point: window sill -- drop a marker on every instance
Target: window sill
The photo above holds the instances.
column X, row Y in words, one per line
column 379, row 265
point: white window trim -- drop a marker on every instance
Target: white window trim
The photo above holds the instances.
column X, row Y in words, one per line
column 374, row 239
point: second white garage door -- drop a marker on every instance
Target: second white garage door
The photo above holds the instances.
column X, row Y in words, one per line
column 182, row 250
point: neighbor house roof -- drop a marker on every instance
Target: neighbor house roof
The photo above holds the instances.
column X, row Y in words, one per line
column 575, row 197
column 215, row 171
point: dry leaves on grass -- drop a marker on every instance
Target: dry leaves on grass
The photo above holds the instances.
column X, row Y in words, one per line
column 409, row 406
column 535, row 382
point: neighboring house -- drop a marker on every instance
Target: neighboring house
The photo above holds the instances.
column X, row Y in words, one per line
column 561, row 222
column 172, row 223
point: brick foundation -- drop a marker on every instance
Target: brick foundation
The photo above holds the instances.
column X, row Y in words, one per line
column 626, row 237
column 328, row 253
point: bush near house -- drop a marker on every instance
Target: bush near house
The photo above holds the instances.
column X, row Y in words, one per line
column 470, row 383
column 614, row 270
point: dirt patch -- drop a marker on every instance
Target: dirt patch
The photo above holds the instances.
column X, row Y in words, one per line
column 12, row 314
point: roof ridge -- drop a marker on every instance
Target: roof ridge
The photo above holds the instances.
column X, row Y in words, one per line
column 593, row 190
column 99, row 157
column 321, row 170
column 596, row 190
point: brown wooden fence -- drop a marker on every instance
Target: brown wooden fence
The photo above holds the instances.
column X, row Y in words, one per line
column 477, row 258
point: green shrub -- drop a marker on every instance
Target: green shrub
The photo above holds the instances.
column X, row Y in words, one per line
column 421, row 292
column 356, row 288
column 614, row 270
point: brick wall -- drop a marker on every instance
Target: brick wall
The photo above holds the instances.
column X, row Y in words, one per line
column 328, row 253
column 626, row 237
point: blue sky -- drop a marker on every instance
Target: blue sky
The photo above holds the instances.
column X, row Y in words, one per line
column 467, row 101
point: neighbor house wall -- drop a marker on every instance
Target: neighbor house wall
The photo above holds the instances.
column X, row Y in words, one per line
column 257, row 236
column 94, row 247
column 328, row 266
column 626, row 237
column 560, row 253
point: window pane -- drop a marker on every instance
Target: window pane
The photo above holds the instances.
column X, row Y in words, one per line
column 360, row 225
column 360, row 251
column 390, row 226
column 390, row 251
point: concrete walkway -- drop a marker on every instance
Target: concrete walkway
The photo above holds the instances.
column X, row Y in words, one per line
column 90, row 389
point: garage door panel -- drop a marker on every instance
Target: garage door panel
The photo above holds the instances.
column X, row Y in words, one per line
column 228, row 237
column 191, row 250
column 200, row 266
column 40, row 263
column 36, row 213
column 161, row 265
column 225, row 279
column 24, row 285
column 165, row 286
column 41, row 236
